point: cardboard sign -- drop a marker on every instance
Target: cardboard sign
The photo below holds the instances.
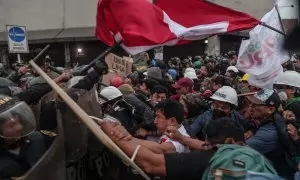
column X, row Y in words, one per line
column 120, row 66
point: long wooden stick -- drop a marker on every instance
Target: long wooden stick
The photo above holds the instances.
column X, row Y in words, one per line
column 93, row 126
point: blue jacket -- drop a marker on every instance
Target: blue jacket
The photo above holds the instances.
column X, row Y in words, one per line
column 266, row 141
column 199, row 124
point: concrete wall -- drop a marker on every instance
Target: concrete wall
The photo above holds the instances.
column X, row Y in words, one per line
column 256, row 8
column 46, row 18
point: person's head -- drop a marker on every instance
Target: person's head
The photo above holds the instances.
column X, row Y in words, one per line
column 225, row 100
column 173, row 74
column 158, row 94
column 16, row 120
column 154, row 72
column 202, row 72
column 168, row 113
column 244, row 107
column 222, row 130
column 206, row 84
column 147, row 85
column 263, row 104
column 197, row 64
column 218, row 82
column 243, row 85
column 132, row 79
column 231, row 71
column 107, row 97
column 116, row 81
column 288, row 85
column 191, row 75
column 193, row 105
column 183, row 86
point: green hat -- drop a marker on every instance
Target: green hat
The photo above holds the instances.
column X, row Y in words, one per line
column 197, row 64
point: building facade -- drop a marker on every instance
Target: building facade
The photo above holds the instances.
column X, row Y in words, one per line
column 69, row 26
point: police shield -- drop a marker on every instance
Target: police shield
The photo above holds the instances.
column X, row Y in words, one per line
column 89, row 103
column 52, row 164
column 75, row 131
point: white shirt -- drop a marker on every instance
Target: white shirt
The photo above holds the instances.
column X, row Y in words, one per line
column 180, row 148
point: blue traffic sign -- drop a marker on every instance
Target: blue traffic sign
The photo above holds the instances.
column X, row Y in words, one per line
column 16, row 34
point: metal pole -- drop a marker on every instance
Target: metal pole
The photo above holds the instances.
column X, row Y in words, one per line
column 19, row 58
column 102, row 55
column 282, row 27
column 272, row 28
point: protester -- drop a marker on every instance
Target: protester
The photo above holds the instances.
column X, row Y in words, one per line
column 183, row 86
column 288, row 87
column 193, row 105
column 270, row 137
column 146, row 86
column 222, row 133
column 168, row 113
column 158, row 94
column 224, row 102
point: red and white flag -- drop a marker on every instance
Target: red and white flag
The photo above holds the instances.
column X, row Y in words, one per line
column 142, row 25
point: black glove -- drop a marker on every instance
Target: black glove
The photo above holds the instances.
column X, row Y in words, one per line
column 101, row 67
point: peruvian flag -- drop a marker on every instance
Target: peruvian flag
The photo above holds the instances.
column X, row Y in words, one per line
column 141, row 25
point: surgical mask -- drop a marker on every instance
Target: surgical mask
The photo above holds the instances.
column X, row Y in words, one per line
column 217, row 113
column 283, row 96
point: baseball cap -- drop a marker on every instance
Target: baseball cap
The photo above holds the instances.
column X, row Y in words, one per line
column 183, row 82
column 266, row 97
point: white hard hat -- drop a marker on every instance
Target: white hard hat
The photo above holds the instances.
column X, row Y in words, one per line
column 226, row 94
column 289, row 78
column 109, row 93
column 190, row 70
column 190, row 75
column 232, row 68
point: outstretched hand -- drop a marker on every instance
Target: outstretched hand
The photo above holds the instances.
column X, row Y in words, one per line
column 115, row 131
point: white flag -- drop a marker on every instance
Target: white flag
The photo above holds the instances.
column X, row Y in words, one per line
column 262, row 55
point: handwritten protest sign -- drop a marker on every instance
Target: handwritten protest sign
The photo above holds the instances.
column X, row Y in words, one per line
column 118, row 66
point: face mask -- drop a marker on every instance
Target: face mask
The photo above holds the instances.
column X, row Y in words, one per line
column 154, row 103
column 283, row 96
column 217, row 113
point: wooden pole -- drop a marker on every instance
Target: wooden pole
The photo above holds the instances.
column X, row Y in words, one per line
column 93, row 126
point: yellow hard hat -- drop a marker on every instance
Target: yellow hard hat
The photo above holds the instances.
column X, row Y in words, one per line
column 245, row 77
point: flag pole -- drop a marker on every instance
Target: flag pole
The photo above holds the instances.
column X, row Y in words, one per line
column 282, row 27
column 272, row 28
column 108, row 50
column 281, row 23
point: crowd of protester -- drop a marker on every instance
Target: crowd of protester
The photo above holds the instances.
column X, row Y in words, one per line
column 187, row 118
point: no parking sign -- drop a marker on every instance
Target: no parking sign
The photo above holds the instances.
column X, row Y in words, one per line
column 17, row 39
